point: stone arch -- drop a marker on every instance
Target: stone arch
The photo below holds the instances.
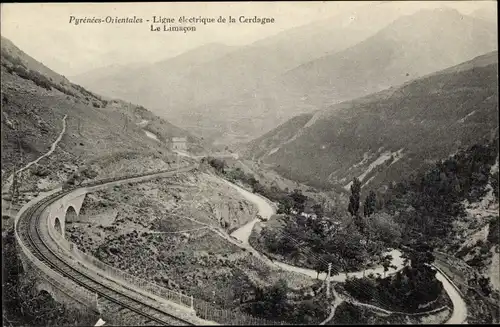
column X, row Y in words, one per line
column 58, row 226
column 71, row 215
column 46, row 290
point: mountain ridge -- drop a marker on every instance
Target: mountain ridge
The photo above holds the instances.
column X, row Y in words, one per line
column 390, row 133
column 34, row 100
column 388, row 58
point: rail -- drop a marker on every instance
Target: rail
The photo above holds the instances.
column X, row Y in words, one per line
column 47, row 274
column 68, row 287
column 202, row 309
column 41, row 270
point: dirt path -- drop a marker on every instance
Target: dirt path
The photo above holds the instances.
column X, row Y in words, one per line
column 459, row 314
column 8, row 183
column 266, row 210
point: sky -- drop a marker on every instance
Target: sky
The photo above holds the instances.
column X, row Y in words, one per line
column 43, row 31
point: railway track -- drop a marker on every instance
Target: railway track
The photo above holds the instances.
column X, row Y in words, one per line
column 115, row 302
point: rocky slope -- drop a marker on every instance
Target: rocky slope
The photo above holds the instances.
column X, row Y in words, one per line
column 73, row 132
column 389, row 134
column 34, row 101
column 164, row 229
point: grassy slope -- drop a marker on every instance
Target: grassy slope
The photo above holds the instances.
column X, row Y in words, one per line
column 429, row 118
column 95, row 127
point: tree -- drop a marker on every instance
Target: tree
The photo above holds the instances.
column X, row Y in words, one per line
column 319, row 267
column 494, row 183
column 285, row 205
column 299, row 200
column 383, row 228
column 421, row 256
column 386, row 263
column 218, row 164
column 275, row 298
column 370, row 203
column 485, row 285
column 318, row 210
column 354, row 198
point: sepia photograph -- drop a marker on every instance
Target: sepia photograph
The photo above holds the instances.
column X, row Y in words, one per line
column 250, row 163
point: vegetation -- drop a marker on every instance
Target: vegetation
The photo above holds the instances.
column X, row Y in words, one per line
column 79, row 176
column 349, row 314
column 370, row 203
column 494, row 228
column 494, row 184
column 32, row 75
column 287, row 201
column 427, row 204
column 216, row 163
column 354, row 198
column 22, row 307
column 404, row 291
column 273, row 303
column 430, row 114
column 14, row 65
column 409, row 290
column 311, row 237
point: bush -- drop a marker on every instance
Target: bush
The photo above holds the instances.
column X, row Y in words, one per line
column 349, row 314
column 436, row 195
column 218, row 164
column 494, row 231
column 494, row 184
column 405, row 291
column 23, row 307
column 41, row 171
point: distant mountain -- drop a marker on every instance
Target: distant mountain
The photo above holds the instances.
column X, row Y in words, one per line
column 35, row 99
column 411, row 46
column 191, row 88
column 234, row 94
column 386, row 135
column 158, row 84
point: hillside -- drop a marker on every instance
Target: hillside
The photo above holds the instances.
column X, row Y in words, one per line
column 34, row 101
column 392, row 56
column 213, row 88
column 389, row 134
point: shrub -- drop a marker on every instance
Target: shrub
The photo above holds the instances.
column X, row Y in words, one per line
column 40, row 171
column 218, row 164
column 493, row 233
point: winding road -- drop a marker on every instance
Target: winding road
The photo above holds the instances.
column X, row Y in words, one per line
column 266, row 210
column 241, row 236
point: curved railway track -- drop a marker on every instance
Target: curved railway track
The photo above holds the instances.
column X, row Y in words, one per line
column 131, row 308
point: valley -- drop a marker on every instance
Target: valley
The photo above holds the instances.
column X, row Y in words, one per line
column 298, row 71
